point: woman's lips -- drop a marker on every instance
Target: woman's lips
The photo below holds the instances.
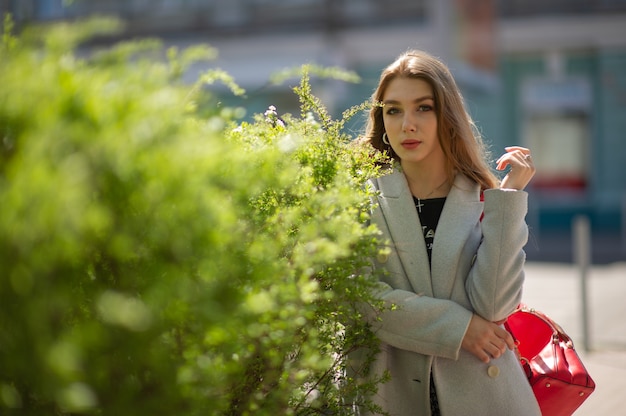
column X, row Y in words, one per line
column 411, row 144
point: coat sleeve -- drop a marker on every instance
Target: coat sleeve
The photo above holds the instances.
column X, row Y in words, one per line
column 494, row 284
column 419, row 323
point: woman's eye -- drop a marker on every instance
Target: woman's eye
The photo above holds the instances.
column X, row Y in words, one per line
column 392, row 111
column 425, row 108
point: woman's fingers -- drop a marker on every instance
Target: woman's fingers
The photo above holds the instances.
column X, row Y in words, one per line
column 524, row 150
column 506, row 337
column 514, row 154
column 486, row 340
column 522, row 167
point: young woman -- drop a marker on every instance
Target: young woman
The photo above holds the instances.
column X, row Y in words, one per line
column 454, row 271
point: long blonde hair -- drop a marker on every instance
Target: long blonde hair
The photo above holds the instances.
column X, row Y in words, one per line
column 462, row 146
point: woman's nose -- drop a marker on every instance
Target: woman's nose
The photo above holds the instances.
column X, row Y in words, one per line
column 408, row 123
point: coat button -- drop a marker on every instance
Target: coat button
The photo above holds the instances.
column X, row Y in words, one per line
column 493, row 371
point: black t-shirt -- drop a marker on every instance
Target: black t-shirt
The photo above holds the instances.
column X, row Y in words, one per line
column 429, row 217
column 429, row 211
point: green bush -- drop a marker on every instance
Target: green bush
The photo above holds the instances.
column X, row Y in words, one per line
column 157, row 258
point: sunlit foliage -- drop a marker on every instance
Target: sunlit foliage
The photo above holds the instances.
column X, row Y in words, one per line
column 158, row 258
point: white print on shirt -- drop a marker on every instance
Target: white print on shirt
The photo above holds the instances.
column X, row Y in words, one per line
column 429, row 237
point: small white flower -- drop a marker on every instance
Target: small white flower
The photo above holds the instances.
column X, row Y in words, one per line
column 271, row 117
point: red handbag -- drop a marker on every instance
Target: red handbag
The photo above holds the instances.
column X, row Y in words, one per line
column 555, row 372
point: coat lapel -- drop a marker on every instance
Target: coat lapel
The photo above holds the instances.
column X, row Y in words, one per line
column 459, row 217
column 396, row 203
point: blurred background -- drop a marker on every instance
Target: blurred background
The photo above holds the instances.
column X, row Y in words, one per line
column 546, row 74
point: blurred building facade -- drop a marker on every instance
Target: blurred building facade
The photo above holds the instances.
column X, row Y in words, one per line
column 547, row 74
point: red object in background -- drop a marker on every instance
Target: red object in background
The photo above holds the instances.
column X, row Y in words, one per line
column 559, row 182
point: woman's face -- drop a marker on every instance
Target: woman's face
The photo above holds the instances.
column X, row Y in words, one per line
column 410, row 120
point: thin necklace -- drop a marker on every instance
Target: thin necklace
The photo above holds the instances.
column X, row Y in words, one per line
column 419, row 200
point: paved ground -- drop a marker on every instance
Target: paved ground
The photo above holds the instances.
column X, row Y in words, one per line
column 555, row 288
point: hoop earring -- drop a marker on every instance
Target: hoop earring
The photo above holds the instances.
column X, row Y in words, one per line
column 386, row 139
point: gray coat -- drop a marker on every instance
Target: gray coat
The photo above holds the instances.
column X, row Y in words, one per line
column 477, row 267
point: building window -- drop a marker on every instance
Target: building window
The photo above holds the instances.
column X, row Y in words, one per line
column 556, row 128
column 559, row 143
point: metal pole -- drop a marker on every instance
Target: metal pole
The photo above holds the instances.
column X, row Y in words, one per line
column 582, row 253
column 623, row 222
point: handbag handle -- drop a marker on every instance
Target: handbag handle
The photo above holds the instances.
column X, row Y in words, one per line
column 558, row 332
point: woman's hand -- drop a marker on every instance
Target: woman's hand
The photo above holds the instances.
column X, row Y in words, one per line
column 522, row 168
column 486, row 340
